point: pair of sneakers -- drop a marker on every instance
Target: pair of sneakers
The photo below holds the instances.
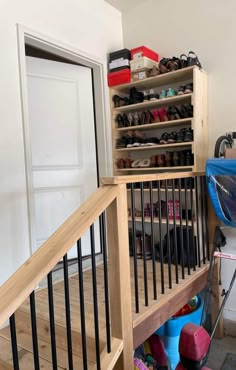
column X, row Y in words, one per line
column 169, row 93
column 187, row 89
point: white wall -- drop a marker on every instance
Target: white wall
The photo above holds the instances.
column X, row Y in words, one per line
column 209, row 29
column 92, row 26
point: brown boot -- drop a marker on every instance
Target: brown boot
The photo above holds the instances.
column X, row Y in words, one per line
column 161, row 161
column 169, row 159
column 176, row 159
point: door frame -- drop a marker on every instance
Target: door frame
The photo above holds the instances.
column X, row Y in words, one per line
column 101, row 106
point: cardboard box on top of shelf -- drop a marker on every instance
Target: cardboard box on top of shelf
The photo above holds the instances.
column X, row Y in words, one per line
column 230, row 153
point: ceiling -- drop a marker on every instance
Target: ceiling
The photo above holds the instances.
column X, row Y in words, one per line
column 124, row 5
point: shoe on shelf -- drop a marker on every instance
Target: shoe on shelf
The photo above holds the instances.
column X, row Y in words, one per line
column 170, row 92
column 173, row 113
column 151, row 141
column 180, row 136
column 181, row 90
column 145, row 162
column 119, row 101
column 172, row 137
column 162, row 94
column 130, row 119
column 135, row 96
column 153, row 160
column 182, row 158
column 121, row 142
column 188, row 135
column 164, row 138
column 163, row 114
column 143, row 118
column 183, row 61
column 126, row 120
column 129, row 139
column 176, row 159
column 173, row 64
column 153, row 95
column 161, row 160
column 120, row 163
column 154, row 71
column 156, row 116
column 189, row 158
column 136, row 163
column 119, row 120
column 136, row 119
column 149, row 117
column 146, row 96
column 188, row 89
column 193, row 60
column 169, row 159
column 184, row 110
column 127, row 162
column 163, row 65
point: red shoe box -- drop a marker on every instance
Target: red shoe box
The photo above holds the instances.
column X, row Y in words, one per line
column 143, row 51
column 119, row 77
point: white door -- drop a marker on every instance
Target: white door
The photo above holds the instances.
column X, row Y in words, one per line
column 62, row 142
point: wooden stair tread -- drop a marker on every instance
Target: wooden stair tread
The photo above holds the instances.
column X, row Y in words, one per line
column 26, row 359
column 25, row 341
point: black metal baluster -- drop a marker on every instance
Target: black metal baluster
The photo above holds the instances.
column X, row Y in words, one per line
column 106, row 286
column 82, row 308
column 152, row 242
column 144, row 247
column 176, row 254
column 203, row 219
column 52, row 321
column 14, row 342
column 95, row 301
column 68, row 318
column 197, row 218
column 34, row 331
column 187, row 225
column 181, row 228
column 159, row 208
column 193, row 225
column 134, row 247
column 205, row 192
column 168, row 236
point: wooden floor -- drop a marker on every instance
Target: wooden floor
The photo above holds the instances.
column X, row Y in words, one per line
column 144, row 324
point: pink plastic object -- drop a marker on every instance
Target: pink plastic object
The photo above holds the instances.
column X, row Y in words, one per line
column 139, row 364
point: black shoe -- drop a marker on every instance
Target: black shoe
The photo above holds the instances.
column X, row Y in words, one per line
column 135, row 96
column 188, row 135
column 182, row 158
column 126, row 120
column 119, row 120
column 180, row 137
column 189, row 158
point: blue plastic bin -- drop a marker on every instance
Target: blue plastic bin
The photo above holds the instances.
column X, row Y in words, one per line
column 170, row 332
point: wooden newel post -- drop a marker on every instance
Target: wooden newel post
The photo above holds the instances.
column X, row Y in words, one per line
column 119, row 276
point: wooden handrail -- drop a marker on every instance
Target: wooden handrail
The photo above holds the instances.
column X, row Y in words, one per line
column 115, row 180
column 20, row 285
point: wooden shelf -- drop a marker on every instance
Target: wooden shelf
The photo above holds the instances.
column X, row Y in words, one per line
column 147, row 169
column 198, row 99
column 151, row 147
column 163, row 221
column 154, row 126
column 178, row 99
column 163, row 79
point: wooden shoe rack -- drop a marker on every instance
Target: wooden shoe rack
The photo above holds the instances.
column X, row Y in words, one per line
column 198, row 123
